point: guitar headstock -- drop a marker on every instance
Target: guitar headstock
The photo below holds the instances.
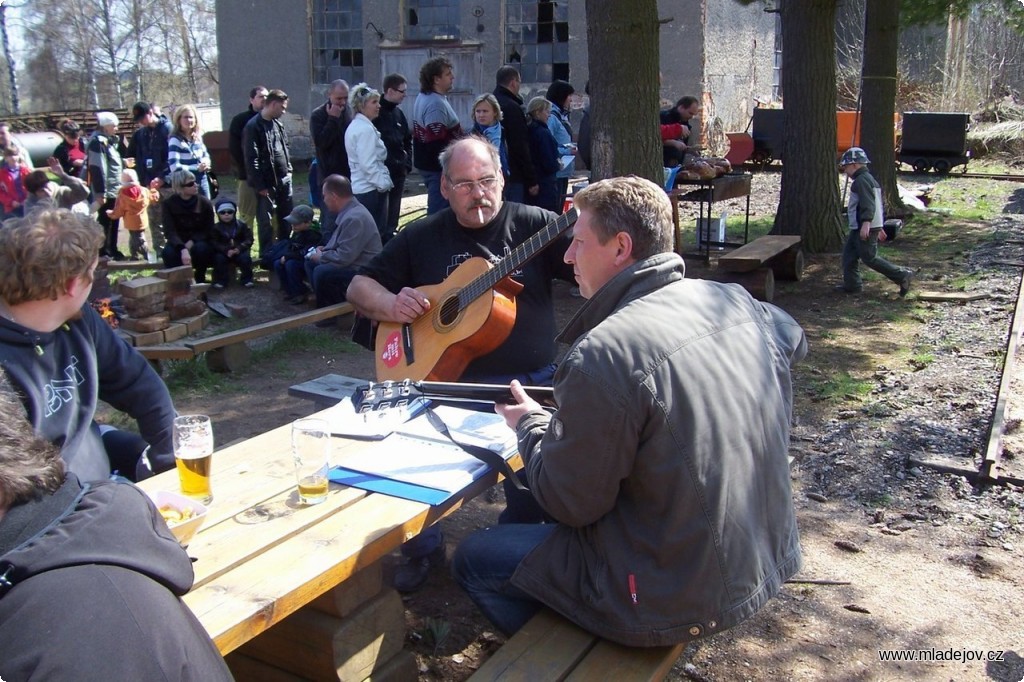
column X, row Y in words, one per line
column 385, row 394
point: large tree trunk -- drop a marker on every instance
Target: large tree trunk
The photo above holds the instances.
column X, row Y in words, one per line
column 622, row 43
column 809, row 200
column 878, row 97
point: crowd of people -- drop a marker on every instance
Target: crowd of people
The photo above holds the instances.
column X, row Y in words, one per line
column 640, row 525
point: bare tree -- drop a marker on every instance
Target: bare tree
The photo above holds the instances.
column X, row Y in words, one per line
column 9, row 58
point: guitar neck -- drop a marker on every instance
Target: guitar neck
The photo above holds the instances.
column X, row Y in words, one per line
column 491, row 393
column 519, row 256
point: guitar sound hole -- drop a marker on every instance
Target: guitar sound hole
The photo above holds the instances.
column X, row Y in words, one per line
column 449, row 311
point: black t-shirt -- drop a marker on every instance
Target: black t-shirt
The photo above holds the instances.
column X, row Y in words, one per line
column 430, row 249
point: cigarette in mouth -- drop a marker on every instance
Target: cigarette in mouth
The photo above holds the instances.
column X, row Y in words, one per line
column 480, row 213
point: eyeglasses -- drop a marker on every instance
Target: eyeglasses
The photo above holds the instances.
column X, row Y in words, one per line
column 189, row 184
column 226, row 211
column 401, row 90
column 467, row 186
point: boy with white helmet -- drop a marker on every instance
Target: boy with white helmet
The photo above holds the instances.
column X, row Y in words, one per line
column 864, row 212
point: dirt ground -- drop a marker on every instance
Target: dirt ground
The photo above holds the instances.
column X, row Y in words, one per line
column 896, row 555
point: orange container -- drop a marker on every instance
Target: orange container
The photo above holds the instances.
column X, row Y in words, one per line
column 845, row 122
column 741, row 146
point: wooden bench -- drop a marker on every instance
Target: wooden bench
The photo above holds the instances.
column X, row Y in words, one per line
column 756, row 265
column 551, row 648
column 228, row 351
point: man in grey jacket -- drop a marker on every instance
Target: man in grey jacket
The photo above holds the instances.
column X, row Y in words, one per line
column 352, row 244
column 666, row 470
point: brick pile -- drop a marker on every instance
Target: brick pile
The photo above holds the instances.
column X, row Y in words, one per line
column 163, row 308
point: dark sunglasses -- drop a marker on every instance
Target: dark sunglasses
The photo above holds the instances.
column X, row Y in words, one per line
column 227, row 211
column 189, row 184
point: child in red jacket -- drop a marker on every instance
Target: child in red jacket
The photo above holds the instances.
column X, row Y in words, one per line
column 12, row 183
column 131, row 206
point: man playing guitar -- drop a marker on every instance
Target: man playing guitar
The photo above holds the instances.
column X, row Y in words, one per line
column 477, row 224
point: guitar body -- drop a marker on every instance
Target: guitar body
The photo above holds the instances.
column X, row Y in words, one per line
column 440, row 344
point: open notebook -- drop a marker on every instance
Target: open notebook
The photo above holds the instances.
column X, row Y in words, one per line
column 422, row 463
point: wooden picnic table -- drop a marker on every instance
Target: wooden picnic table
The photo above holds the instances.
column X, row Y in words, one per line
column 261, row 555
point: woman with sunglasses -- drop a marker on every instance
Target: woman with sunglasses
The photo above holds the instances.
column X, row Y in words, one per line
column 188, row 226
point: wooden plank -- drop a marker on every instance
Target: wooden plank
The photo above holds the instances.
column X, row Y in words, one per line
column 610, row 661
column 757, row 252
column 548, row 647
column 345, row 598
column 251, row 670
column 260, row 330
column 247, row 498
column 321, row 647
column 944, row 296
column 994, row 448
column 247, row 600
column 166, row 352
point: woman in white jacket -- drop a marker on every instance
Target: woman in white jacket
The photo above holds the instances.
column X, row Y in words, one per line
column 371, row 181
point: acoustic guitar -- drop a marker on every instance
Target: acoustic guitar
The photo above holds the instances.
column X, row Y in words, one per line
column 471, row 313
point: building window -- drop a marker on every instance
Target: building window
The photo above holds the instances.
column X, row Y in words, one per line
column 432, row 20
column 537, row 39
column 337, row 40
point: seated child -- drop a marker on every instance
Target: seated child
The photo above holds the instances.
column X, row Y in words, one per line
column 12, row 184
column 290, row 263
column 232, row 241
column 131, row 207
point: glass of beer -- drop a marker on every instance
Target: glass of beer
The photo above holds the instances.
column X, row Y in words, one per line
column 311, row 449
column 193, row 450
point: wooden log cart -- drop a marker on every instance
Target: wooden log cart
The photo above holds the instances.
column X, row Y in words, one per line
column 757, row 265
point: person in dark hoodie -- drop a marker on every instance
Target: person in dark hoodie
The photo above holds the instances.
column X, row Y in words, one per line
column 188, row 219
column 90, row 576
column 232, row 243
column 63, row 358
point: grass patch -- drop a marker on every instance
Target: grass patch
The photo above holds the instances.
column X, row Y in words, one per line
column 193, row 377
column 300, row 340
column 838, row 387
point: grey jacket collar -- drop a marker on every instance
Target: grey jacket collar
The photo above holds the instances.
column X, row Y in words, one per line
column 635, row 281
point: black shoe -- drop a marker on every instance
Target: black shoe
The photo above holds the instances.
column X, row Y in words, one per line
column 906, row 282
column 843, row 289
column 299, row 300
column 413, row 574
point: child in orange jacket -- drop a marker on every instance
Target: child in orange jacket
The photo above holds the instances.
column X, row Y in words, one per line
column 132, row 201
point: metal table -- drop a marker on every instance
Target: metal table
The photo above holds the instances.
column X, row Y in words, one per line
column 705, row 193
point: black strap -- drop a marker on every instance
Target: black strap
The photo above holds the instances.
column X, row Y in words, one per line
column 488, row 457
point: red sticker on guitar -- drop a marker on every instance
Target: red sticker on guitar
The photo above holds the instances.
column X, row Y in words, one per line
column 392, row 352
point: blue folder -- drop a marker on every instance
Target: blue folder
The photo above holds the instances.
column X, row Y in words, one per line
column 388, row 486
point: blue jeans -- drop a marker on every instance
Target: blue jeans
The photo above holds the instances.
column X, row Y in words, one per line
column 292, row 276
column 377, row 204
column 435, row 200
column 483, row 566
column 329, row 282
